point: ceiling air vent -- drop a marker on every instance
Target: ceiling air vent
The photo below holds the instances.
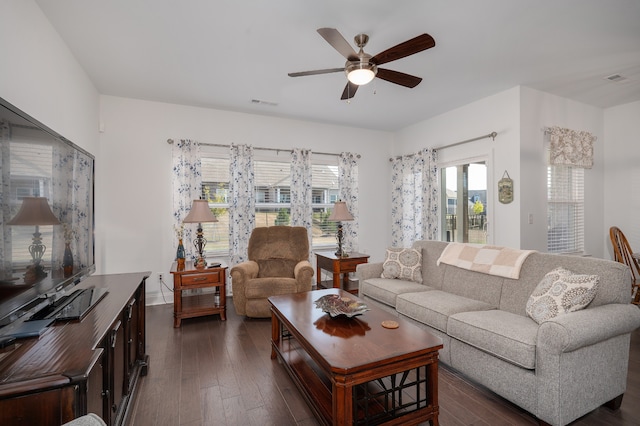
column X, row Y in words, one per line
column 616, row 78
column 261, row 102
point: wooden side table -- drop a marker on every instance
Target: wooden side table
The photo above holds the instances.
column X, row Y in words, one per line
column 328, row 261
column 196, row 305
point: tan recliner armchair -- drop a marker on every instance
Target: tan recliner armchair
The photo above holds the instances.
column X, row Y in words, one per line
column 278, row 264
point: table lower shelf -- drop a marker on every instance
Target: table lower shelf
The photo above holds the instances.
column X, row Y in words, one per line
column 351, row 286
column 386, row 400
column 194, row 305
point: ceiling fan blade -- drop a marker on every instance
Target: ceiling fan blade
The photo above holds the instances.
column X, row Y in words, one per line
column 315, row 72
column 349, row 91
column 409, row 47
column 335, row 39
column 397, row 77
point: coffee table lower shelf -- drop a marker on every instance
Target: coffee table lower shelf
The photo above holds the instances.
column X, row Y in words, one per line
column 401, row 398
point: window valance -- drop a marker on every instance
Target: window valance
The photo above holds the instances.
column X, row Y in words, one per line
column 570, row 147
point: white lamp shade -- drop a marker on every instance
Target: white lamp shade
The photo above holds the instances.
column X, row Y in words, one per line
column 361, row 76
column 200, row 213
column 340, row 212
column 34, row 211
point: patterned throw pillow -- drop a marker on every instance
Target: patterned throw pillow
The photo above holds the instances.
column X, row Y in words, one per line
column 560, row 292
column 403, row 263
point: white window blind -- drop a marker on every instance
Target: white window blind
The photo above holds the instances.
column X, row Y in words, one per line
column 565, row 209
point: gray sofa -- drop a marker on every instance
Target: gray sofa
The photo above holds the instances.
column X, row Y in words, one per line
column 559, row 370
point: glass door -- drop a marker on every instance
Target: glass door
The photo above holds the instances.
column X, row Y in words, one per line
column 464, row 197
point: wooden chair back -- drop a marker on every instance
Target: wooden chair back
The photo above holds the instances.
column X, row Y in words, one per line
column 622, row 253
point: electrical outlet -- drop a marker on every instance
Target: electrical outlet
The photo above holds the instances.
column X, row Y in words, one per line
column 160, row 277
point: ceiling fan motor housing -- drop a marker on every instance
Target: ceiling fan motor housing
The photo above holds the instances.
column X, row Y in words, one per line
column 362, row 70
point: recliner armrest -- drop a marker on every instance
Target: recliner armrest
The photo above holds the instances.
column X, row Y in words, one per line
column 303, row 273
column 246, row 270
column 240, row 274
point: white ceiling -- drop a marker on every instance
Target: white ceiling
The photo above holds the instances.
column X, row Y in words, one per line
column 225, row 53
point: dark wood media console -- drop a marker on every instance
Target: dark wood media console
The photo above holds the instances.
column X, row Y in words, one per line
column 78, row 367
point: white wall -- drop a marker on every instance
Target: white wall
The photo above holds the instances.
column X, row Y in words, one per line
column 519, row 116
column 622, row 173
column 40, row 76
column 499, row 113
column 135, row 229
column 540, row 110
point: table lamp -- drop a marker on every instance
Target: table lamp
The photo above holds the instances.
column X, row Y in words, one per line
column 340, row 214
column 200, row 213
column 35, row 211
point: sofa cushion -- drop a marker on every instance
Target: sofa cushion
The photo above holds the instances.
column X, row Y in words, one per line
column 503, row 334
column 261, row 288
column 403, row 263
column 560, row 292
column 432, row 274
column 435, row 307
column 472, row 285
column 386, row 290
column 276, row 267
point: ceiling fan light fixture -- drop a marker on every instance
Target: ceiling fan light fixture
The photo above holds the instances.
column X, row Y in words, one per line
column 361, row 73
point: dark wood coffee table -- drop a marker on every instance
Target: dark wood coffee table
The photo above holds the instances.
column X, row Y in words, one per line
column 353, row 371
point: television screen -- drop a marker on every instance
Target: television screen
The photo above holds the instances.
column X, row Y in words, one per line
column 46, row 213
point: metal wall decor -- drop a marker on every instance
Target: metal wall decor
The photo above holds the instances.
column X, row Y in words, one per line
column 505, row 189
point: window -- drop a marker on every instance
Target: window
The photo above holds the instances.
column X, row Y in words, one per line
column 464, row 193
column 272, row 197
column 565, row 209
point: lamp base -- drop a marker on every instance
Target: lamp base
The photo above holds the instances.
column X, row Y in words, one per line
column 200, row 263
column 35, row 273
column 341, row 253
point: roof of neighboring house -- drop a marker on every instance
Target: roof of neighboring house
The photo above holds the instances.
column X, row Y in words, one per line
column 269, row 174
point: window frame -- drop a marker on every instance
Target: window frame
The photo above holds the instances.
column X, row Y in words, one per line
column 565, row 208
column 277, row 157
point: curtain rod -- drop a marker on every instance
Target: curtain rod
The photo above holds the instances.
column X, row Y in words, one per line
column 491, row 135
column 170, row 142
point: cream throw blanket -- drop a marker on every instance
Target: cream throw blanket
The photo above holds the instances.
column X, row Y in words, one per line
column 492, row 260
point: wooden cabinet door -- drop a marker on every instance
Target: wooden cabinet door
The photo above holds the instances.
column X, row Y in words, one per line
column 116, row 371
column 96, row 389
column 131, row 337
column 22, row 410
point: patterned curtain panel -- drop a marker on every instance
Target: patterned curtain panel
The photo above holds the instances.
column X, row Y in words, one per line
column 5, row 212
column 242, row 205
column 187, row 186
column 570, row 147
column 301, row 211
column 414, row 198
column 70, row 175
column 348, row 188
column 430, row 195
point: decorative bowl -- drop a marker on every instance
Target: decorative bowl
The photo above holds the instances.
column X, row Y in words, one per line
column 335, row 305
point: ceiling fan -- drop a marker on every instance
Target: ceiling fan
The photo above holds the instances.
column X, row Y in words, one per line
column 361, row 67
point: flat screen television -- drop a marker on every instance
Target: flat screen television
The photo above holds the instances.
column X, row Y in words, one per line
column 46, row 214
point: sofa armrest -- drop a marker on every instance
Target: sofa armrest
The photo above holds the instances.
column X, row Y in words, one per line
column 364, row 271
column 303, row 272
column 575, row 330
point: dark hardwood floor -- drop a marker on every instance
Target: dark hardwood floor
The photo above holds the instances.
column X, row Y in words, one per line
column 212, row 372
